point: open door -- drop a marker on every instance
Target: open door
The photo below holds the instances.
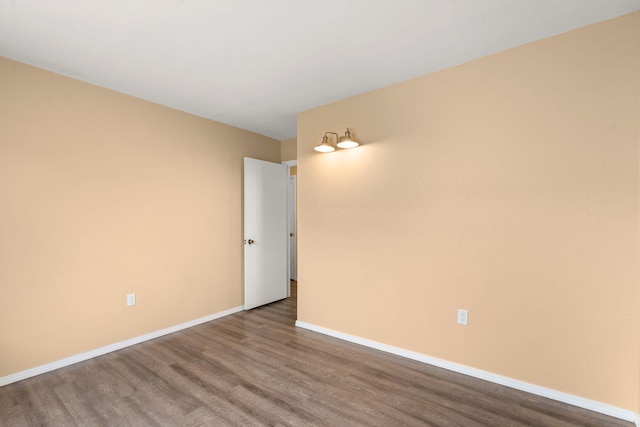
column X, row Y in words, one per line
column 265, row 232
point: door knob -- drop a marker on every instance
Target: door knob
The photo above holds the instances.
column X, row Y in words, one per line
column 251, row 241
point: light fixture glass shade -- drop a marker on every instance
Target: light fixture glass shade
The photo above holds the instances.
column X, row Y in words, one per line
column 324, row 146
column 347, row 141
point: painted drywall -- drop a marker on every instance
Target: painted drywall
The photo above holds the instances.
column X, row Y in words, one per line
column 507, row 186
column 102, row 194
column 288, row 149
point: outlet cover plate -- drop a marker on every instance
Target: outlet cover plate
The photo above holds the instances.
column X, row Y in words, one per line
column 463, row 317
column 131, row 300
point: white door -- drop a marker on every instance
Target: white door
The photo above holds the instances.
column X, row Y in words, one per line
column 293, row 238
column 265, row 232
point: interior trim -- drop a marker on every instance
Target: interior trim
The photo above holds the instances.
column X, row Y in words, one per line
column 19, row 376
column 570, row 399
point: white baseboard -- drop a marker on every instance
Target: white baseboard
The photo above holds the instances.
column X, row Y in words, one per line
column 581, row 402
column 112, row 347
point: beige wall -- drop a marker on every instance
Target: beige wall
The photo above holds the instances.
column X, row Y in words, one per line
column 288, row 149
column 102, row 194
column 507, row 186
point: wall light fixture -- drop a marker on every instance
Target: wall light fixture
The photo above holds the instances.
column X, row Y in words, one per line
column 345, row 141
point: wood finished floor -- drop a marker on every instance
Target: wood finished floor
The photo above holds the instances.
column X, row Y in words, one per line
column 254, row 369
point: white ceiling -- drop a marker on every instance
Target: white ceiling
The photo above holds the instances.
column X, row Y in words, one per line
column 256, row 63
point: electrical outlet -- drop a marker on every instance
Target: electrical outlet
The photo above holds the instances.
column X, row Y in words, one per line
column 131, row 300
column 463, row 317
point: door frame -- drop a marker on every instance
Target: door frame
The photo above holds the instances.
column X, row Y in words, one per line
column 290, row 164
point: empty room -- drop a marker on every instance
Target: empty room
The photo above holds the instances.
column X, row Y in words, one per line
column 332, row 213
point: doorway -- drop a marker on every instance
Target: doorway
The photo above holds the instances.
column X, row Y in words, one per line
column 292, row 219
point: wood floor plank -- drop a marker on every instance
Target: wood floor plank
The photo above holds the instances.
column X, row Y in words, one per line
column 48, row 408
column 256, row 368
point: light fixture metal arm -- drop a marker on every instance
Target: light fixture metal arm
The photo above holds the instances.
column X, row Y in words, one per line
column 333, row 133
